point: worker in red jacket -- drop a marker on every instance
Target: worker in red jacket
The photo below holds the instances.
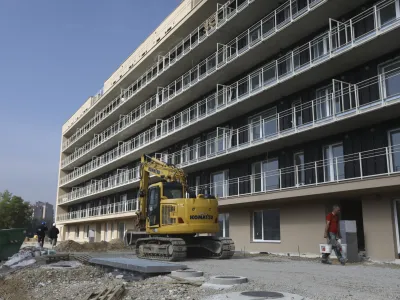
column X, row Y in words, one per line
column 332, row 234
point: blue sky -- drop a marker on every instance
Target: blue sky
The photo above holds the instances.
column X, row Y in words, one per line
column 53, row 56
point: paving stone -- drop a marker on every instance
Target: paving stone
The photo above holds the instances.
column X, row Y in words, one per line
column 138, row 265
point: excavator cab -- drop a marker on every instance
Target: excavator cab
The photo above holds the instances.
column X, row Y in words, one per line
column 161, row 191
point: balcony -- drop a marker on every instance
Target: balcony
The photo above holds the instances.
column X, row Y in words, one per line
column 181, row 90
column 343, row 175
column 196, row 43
column 109, row 211
column 341, row 102
column 331, row 52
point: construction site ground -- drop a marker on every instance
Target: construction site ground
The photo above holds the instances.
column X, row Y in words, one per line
column 305, row 277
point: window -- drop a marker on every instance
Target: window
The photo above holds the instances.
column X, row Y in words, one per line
column 197, row 185
column 223, row 221
column 86, row 230
column 320, row 46
column 264, row 124
column 77, row 231
column 299, row 168
column 388, row 13
column 390, row 85
column 266, row 226
column 184, row 154
column 106, row 232
column 265, row 175
column 172, row 191
column 333, row 162
column 323, row 102
column 112, row 230
column 219, row 140
column 297, row 114
column 219, row 184
column 123, row 197
column 194, row 150
column 396, row 212
column 394, row 143
column 121, row 230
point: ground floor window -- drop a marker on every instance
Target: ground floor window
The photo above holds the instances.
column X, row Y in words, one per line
column 121, row 230
column 77, row 231
column 397, row 224
column 223, row 220
column 266, row 226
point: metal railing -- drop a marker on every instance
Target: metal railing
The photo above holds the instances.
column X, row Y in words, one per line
column 97, row 186
column 223, row 14
column 302, row 58
column 340, row 100
column 99, row 211
column 280, row 18
column 357, row 166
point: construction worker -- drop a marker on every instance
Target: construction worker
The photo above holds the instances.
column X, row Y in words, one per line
column 53, row 235
column 332, row 234
column 41, row 233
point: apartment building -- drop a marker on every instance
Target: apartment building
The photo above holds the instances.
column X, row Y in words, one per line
column 279, row 109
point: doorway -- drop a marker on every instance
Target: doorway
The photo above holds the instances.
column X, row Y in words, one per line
column 351, row 209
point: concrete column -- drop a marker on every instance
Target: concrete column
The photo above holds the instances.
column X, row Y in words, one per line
column 379, row 228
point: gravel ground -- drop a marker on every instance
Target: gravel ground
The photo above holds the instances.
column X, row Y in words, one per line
column 308, row 278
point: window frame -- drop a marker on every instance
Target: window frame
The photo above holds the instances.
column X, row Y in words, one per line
column 262, row 227
column 389, row 135
column 331, row 164
column 297, row 183
column 295, row 104
column 382, row 85
column 263, row 185
column 225, row 187
column 328, row 102
column 266, row 114
column 397, row 10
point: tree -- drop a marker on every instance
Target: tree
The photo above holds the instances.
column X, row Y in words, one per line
column 14, row 211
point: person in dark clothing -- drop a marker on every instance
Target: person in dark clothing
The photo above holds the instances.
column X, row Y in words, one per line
column 41, row 233
column 53, row 235
column 332, row 234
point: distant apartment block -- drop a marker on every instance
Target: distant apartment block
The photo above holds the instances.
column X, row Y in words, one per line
column 281, row 109
column 43, row 211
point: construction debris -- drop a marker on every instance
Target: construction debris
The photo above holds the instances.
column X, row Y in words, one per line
column 108, row 293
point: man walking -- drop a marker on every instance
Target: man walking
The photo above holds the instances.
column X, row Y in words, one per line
column 332, row 234
column 41, row 233
column 53, row 235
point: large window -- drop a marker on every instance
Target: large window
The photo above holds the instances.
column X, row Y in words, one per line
column 333, row 162
column 299, row 168
column 219, row 140
column 390, row 85
column 219, row 184
column 297, row 117
column 266, row 175
column 264, row 124
column 266, row 225
column 223, row 221
column 394, row 142
column 388, row 13
column 323, row 103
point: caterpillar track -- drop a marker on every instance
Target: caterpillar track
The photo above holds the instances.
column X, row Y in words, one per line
column 179, row 248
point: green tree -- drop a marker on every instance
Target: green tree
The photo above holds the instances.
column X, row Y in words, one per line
column 14, row 211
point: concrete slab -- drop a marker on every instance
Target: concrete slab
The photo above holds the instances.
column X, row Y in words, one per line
column 256, row 295
column 137, row 265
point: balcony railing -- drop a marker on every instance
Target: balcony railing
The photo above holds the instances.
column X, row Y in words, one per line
column 264, row 29
column 99, row 211
column 340, row 100
column 223, row 14
column 97, row 186
column 357, row 166
column 303, row 58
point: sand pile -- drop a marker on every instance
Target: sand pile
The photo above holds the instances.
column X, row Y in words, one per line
column 116, row 244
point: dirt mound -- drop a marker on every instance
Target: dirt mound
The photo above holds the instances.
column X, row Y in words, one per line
column 99, row 246
column 69, row 246
column 116, row 244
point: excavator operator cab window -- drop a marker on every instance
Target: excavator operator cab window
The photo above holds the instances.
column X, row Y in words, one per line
column 154, row 206
column 173, row 190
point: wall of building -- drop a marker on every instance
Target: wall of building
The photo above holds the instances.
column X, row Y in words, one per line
column 380, row 240
column 302, row 226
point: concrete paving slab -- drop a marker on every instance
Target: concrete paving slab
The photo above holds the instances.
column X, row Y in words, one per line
column 137, row 265
column 256, row 295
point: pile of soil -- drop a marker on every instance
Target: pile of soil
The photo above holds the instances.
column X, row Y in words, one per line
column 116, row 244
column 69, row 246
column 95, row 247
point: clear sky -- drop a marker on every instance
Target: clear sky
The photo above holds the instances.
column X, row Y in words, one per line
column 54, row 54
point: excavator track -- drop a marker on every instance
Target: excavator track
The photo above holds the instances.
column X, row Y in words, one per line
column 176, row 249
column 161, row 248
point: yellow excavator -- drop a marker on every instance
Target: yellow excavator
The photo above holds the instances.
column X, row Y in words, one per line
column 171, row 226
